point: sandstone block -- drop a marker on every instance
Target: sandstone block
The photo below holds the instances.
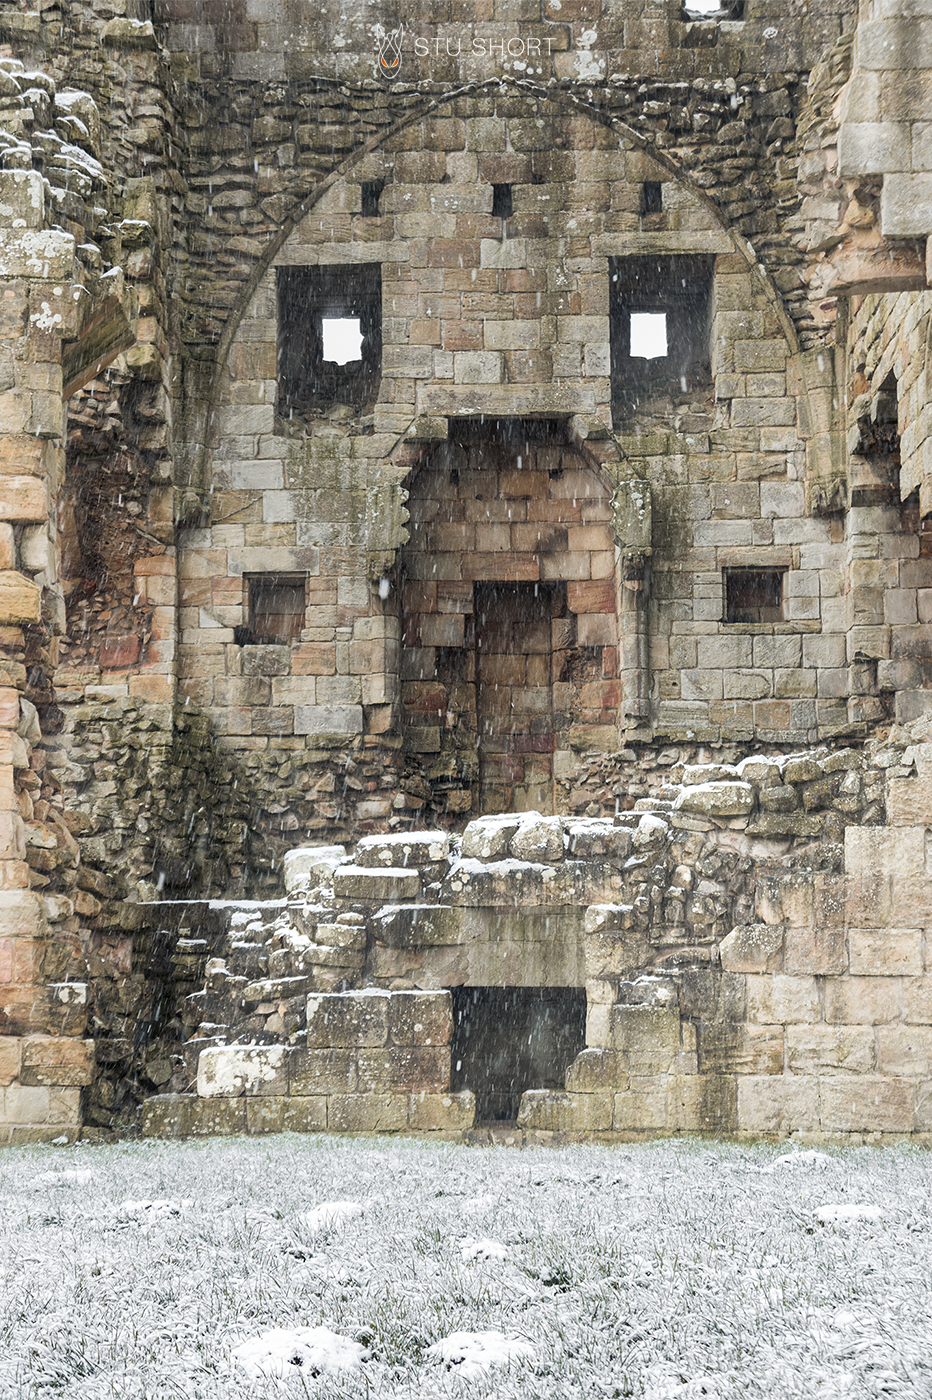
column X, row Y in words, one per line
column 905, row 1051
column 867, row 1001
column 818, row 950
column 57, row 1060
column 885, row 952
column 594, row 1070
column 420, row 1018
column 917, row 1000
column 230, row 1071
column 538, row 840
column 782, row 999
column 869, row 1103
column 10, row 1058
column 702, row 1103
column 20, row 599
column 548, row 1110
column 814, row 1049
column 778, row 1103
column 382, row 885
column 405, row 851
column 487, row 838
column 732, row 1048
column 165, row 1116
column 351, row 1019
column 414, row 1069
column 311, row 865
column 215, row 1117
column 642, row 1107
column 367, row 1113
column 753, row 948
column 649, row 1035
column 442, row 1112
column 716, row 799
column 315, row 1072
column 414, row 925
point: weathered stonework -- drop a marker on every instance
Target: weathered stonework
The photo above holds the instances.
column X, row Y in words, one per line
column 506, row 561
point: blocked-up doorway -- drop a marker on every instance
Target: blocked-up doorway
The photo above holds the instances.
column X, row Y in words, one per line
column 508, row 1039
column 514, row 696
column 509, row 624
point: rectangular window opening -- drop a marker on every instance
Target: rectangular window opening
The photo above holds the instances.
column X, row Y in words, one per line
column 659, row 329
column 371, row 192
column 648, row 334
column 502, row 202
column 652, row 197
column 753, row 595
column 329, row 338
column 276, row 609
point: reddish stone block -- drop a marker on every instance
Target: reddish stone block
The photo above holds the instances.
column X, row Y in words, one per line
column 119, row 652
column 591, row 596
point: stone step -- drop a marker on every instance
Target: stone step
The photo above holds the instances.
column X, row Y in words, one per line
column 386, row 886
column 405, row 850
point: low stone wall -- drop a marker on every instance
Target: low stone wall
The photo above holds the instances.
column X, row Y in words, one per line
column 745, row 973
column 368, row 1062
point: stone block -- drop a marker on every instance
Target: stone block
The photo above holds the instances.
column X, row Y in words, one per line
column 314, row 1072
column 716, row 799
column 420, row 1018
column 814, row 1049
column 594, row 1070
column 702, row 1103
column 215, row 1117
column 414, row 1069
column 872, row 148
column 727, row 1047
column 367, row 1113
column 350, row 1019
column 487, row 838
column 649, row 1036
column 885, row 952
column 278, row 1114
column 868, row 1103
column 783, row 999
column 165, row 1116
column 311, row 865
column 10, row 1058
column 866, row 1001
column 384, row 886
column 550, row 1111
column 905, row 1051
column 778, row 1103
column 818, row 950
column 753, row 948
column 230, row 1071
column 20, row 599
column 642, row 1108
column 538, row 840
column 405, row 851
column 450, row 1113
column 323, row 722
column 917, row 999
column 416, row 925
column 57, row 1060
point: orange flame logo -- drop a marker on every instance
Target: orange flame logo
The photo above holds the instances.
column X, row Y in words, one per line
column 390, row 54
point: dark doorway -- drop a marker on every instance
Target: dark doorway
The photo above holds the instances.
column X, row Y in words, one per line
column 514, row 697
column 508, row 1039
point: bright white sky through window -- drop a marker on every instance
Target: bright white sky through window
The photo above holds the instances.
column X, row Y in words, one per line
column 704, row 7
column 342, row 339
column 649, row 334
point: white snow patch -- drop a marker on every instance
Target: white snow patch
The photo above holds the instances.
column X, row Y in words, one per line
column 472, row 1353
column 150, row 1212
column 838, row 1214
column 482, row 1249
column 314, row 1350
column 74, row 1177
column 329, row 1214
column 809, row 1158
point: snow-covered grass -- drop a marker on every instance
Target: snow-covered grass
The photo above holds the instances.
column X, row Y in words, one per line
column 304, row 1266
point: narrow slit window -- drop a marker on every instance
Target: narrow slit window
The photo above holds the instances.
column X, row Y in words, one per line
column 652, row 197
column 342, row 338
column 649, row 334
column 502, row 202
column 371, row 192
column 276, row 610
column 754, row 595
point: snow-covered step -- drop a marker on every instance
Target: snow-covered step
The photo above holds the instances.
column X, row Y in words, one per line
column 388, row 886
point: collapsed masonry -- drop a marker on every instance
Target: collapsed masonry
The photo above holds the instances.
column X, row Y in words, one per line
column 379, row 454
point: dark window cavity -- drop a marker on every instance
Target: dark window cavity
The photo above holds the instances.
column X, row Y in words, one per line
column 502, row 202
column 753, row 595
column 329, row 337
column 659, row 328
column 651, row 197
column 276, row 609
column 371, row 190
